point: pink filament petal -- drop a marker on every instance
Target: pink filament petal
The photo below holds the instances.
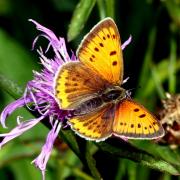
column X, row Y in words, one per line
column 127, row 42
column 18, row 130
column 51, row 36
column 10, row 108
column 48, row 34
column 58, row 45
column 43, row 157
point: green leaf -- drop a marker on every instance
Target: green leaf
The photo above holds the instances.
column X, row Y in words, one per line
column 106, row 8
column 82, row 149
column 101, row 8
column 110, row 7
column 130, row 152
column 25, row 170
column 145, row 71
column 14, row 60
column 164, row 152
column 162, row 75
column 79, row 18
column 18, row 157
column 173, row 8
column 158, row 85
column 10, row 87
column 17, row 150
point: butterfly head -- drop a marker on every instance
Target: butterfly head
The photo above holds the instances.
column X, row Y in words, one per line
column 114, row 93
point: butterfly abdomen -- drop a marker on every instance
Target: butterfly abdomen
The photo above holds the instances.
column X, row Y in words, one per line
column 88, row 106
column 110, row 95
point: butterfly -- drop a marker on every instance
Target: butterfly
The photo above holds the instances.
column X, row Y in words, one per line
column 91, row 88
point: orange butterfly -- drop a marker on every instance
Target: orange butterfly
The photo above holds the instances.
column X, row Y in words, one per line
column 92, row 89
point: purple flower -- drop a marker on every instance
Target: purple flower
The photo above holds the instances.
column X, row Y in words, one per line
column 39, row 93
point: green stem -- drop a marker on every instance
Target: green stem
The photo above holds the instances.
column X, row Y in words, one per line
column 82, row 149
column 172, row 66
column 147, row 61
column 91, row 162
column 157, row 82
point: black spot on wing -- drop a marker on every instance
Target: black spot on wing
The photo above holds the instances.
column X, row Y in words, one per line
column 114, row 63
column 96, row 49
column 142, row 116
column 112, row 53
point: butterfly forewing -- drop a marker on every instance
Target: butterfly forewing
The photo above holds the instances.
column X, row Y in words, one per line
column 134, row 121
column 75, row 84
column 96, row 125
column 100, row 51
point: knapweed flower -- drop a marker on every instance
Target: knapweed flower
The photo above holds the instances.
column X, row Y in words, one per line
column 39, row 96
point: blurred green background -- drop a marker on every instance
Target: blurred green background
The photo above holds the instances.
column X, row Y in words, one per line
column 152, row 61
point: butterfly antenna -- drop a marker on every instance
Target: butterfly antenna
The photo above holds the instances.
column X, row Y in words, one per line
column 125, row 80
column 128, row 92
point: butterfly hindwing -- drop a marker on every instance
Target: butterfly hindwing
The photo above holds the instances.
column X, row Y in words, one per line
column 100, row 50
column 135, row 122
column 75, row 84
column 96, row 125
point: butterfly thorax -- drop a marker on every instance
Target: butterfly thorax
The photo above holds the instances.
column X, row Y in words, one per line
column 111, row 95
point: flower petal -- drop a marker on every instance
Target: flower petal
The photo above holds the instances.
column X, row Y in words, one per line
column 18, row 130
column 10, row 108
column 58, row 45
column 127, row 42
column 43, row 157
column 50, row 35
